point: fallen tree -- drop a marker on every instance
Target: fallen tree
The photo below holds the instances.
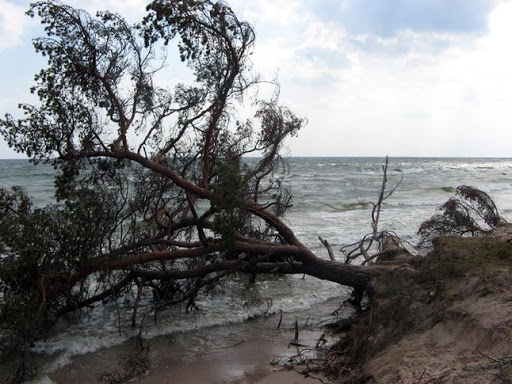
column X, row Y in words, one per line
column 152, row 191
column 420, row 306
column 439, row 318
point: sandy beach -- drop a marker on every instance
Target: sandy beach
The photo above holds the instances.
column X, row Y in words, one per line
column 254, row 352
column 249, row 362
column 246, row 363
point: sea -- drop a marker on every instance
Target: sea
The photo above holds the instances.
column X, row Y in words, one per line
column 331, row 199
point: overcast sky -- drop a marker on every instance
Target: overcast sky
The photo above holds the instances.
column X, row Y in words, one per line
column 373, row 77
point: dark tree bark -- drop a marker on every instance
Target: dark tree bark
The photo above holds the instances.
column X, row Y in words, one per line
column 153, row 188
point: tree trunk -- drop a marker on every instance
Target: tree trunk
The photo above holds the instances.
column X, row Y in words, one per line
column 354, row 276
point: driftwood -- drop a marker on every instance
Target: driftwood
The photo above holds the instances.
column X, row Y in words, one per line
column 328, row 247
column 377, row 238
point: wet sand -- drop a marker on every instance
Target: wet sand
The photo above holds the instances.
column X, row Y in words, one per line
column 246, row 363
column 253, row 352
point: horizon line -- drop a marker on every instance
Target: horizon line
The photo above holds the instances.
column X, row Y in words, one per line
column 352, row 156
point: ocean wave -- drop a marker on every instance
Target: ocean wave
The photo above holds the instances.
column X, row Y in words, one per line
column 80, row 344
column 356, row 206
column 44, row 380
column 109, row 325
column 329, row 201
column 410, row 170
column 347, row 207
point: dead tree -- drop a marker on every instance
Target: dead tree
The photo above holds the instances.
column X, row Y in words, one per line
column 377, row 239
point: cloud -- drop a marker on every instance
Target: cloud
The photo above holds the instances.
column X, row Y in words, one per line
column 316, row 39
column 396, row 83
column 13, row 23
column 131, row 10
column 415, row 93
column 387, row 18
column 270, row 12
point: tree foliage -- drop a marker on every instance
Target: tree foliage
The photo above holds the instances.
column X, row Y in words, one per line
column 471, row 212
column 152, row 188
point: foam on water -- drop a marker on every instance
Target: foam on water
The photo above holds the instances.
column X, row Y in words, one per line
column 331, row 197
column 110, row 325
column 44, row 380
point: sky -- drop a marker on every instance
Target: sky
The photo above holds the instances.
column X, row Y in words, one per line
column 373, row 77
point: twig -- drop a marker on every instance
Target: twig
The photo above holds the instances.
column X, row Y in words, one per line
column 377, row 207
column 328, row 246
column 137, row 301
column 365, row 254
column 490, row 358
column 421, row 377
column 499, row 362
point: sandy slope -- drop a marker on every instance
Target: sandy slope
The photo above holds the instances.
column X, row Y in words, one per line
column 467, row 334
column 464, row 347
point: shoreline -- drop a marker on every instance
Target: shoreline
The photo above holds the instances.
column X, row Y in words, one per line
column 246, row 363
column 252, row 352
column 249, row 362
